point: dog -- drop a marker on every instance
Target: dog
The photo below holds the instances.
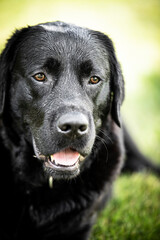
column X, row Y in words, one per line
column 62, row 139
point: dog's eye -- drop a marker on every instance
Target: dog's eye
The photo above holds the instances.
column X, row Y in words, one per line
column 94, row 80
column 40, row 77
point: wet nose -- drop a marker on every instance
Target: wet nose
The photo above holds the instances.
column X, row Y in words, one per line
column 73, row 125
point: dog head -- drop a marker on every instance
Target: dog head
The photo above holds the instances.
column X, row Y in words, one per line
column 58, row 83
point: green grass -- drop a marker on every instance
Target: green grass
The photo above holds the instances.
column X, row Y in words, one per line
column 134, row 211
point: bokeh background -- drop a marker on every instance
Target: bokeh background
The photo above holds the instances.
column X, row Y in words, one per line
column 134, row 26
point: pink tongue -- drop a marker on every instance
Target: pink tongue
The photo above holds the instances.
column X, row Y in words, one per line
column 66, row 157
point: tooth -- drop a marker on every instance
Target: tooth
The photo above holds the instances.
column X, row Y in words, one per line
column 52, row 159
column 81, row 158
column 56, row 163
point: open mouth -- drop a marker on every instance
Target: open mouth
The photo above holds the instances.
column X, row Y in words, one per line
column 64, row 164
column 67, row 160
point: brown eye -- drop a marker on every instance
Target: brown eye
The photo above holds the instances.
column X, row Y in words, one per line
column 94, row 80
column 40, row 77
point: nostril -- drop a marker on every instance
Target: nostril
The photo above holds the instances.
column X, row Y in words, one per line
column 65, row 127
column 73, row 125
column 83, row 128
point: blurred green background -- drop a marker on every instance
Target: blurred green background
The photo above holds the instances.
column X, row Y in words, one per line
column 134, row 26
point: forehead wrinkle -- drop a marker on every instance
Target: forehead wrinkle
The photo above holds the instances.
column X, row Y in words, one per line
column 67, row 40
column 67, row 47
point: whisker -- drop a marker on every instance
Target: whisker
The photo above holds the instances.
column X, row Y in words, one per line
column 104, row 143
column 105, row 134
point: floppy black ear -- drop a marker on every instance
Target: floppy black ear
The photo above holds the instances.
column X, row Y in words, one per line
column 116, row 77
column 3, row 78
column 7, row 59
column 117, row 89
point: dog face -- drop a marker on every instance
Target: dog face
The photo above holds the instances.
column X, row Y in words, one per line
column 60, row 83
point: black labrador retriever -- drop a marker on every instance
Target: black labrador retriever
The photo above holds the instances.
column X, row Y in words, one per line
column 61, row 136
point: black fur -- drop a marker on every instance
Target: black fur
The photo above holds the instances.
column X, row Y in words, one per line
column 30, row 111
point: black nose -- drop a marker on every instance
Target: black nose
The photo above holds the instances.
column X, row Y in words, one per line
column 73, row 124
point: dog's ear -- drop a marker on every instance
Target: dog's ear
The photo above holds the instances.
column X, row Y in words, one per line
column 116, row 77
column 7, row 59
column 117, row 89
